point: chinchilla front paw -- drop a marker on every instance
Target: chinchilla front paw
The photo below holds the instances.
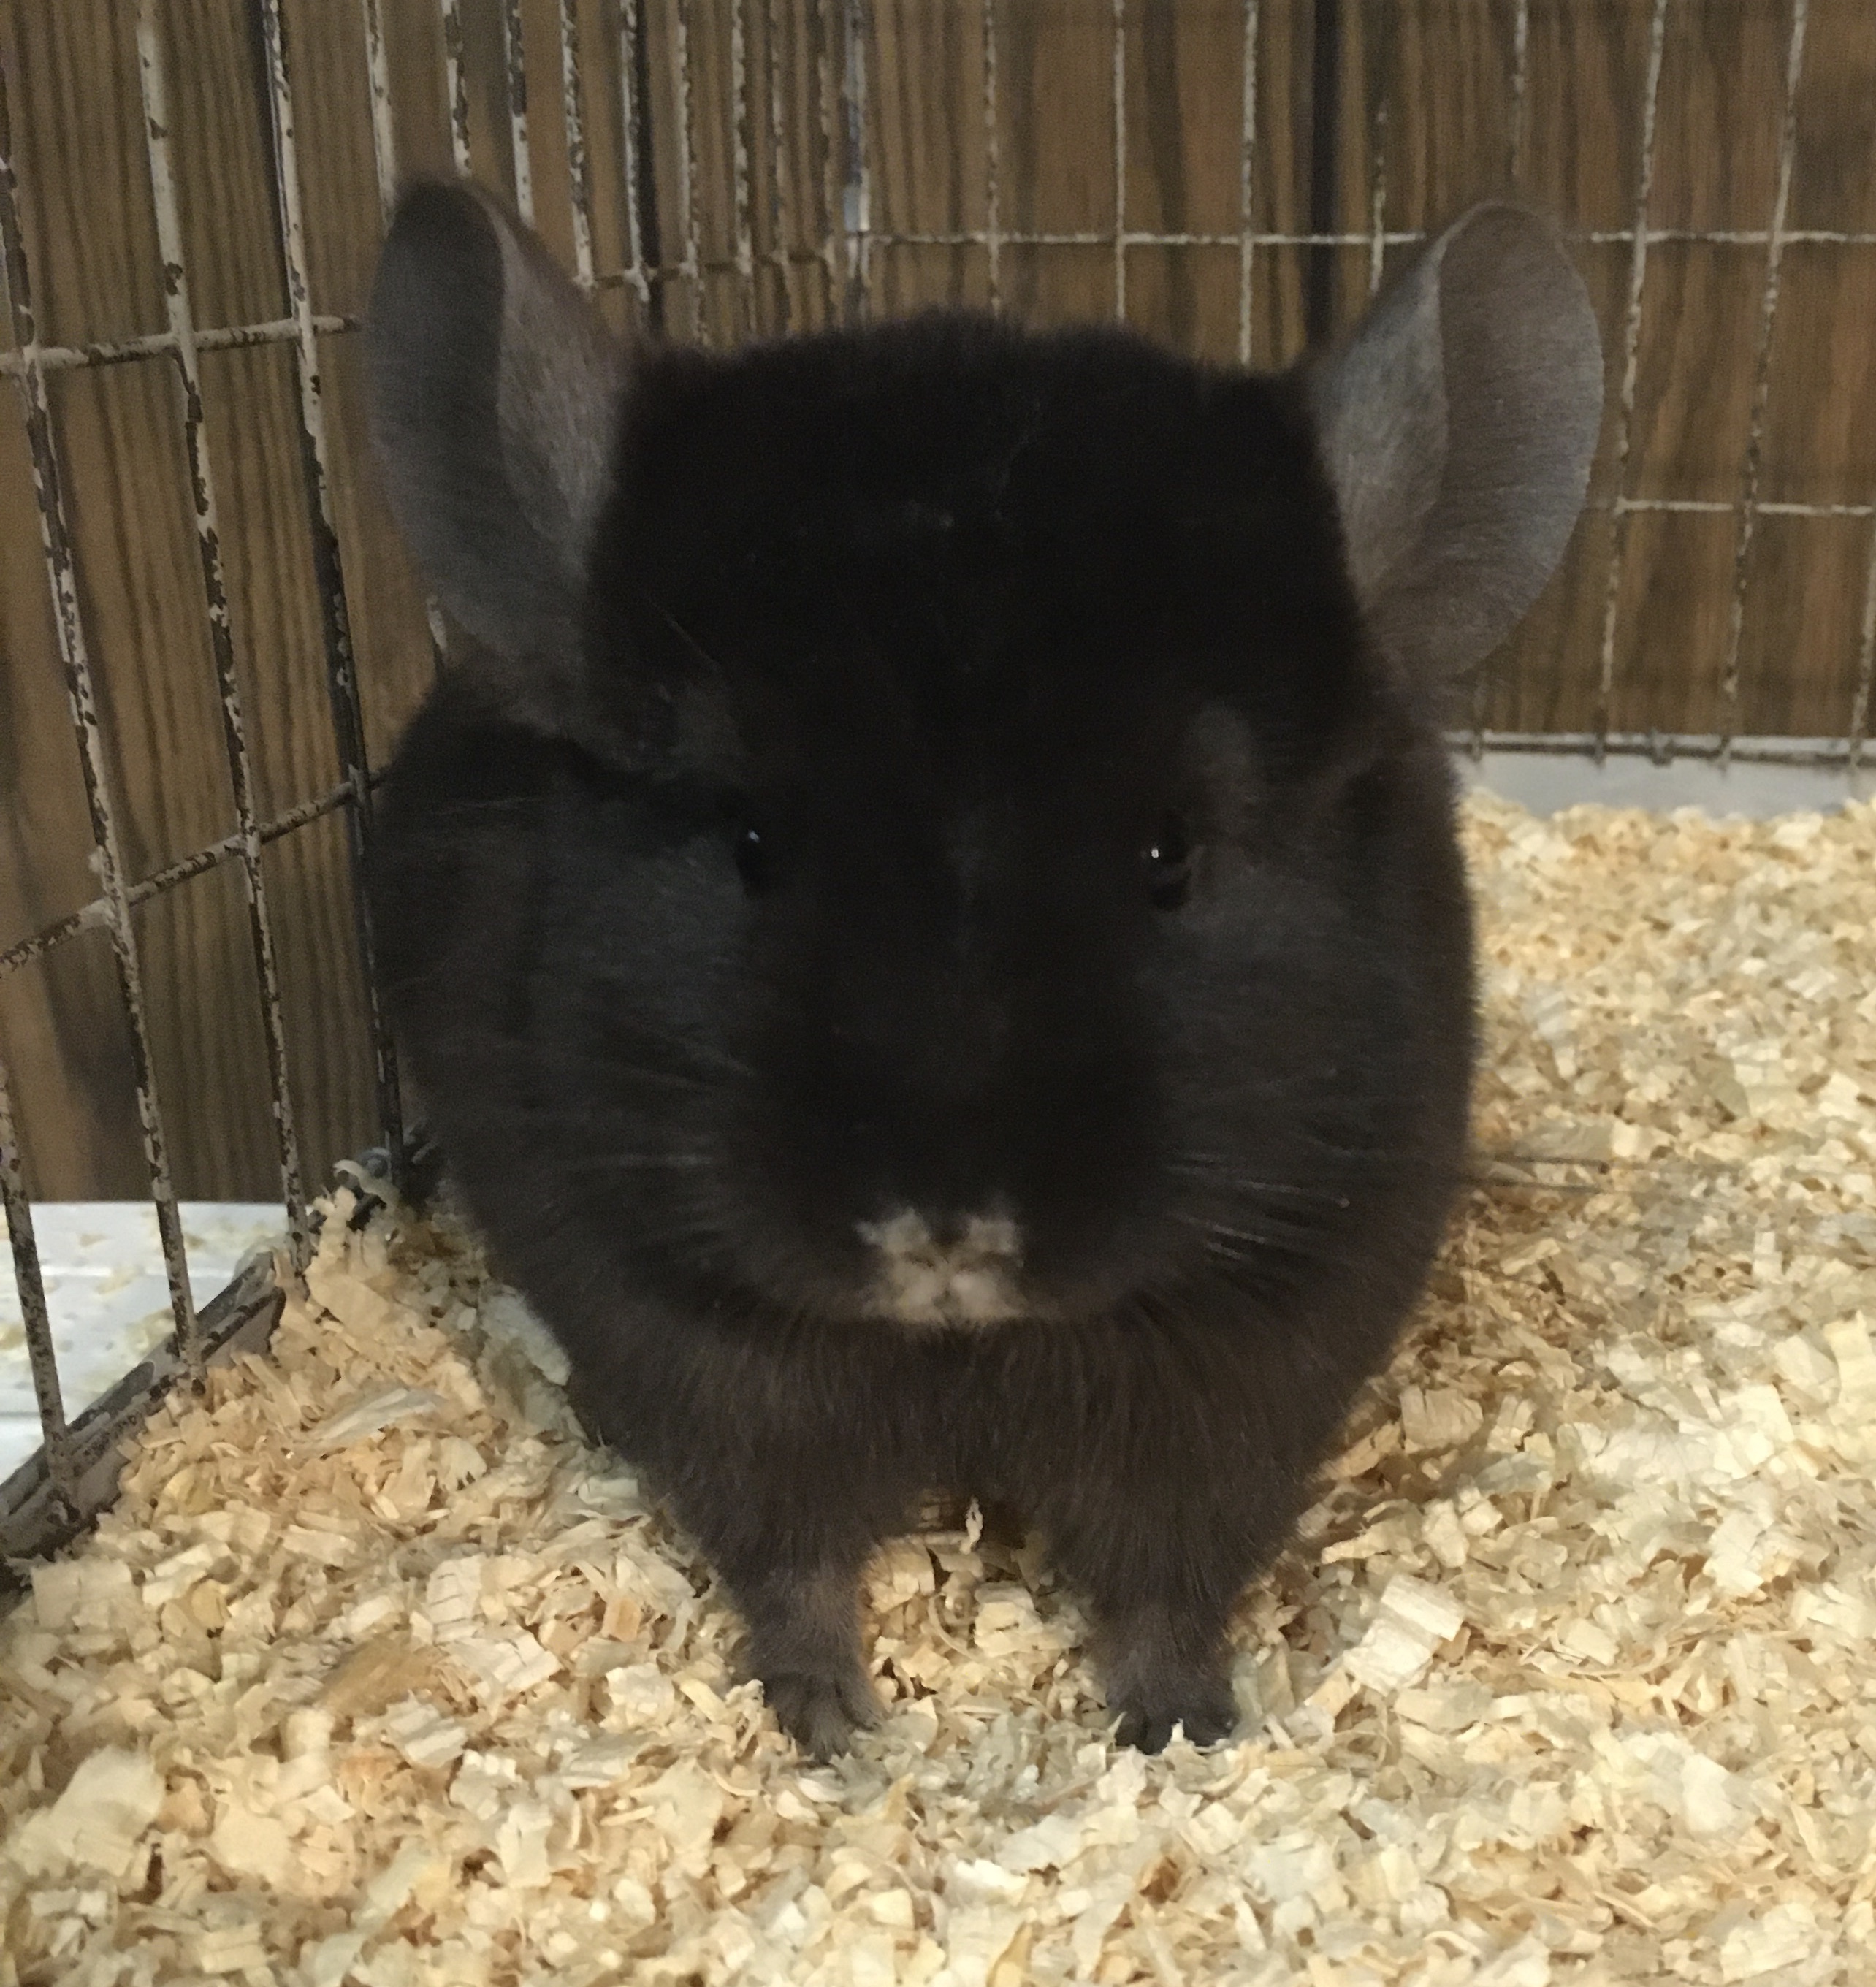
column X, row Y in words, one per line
column 821, row 1711
column 1151, row 1709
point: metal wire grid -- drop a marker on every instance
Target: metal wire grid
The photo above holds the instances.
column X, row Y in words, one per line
column 71, row 1478
column 72, row 1475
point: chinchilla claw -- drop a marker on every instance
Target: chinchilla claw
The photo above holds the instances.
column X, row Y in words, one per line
column 822, row 1713
column 1205, row 1712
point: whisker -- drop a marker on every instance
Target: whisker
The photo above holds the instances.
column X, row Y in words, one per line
column 1324, row 1196
column 1341, row 1167
column 678, row 629
column 1272, row 1235
column 668, row 1079
column 515, row 803
column 597, row 1068
column 596, row 1059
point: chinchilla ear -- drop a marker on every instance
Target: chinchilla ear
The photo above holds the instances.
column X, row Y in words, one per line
column 495, row 392
column 1457, row 423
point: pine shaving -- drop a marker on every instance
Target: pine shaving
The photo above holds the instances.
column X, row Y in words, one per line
column 377, row 1674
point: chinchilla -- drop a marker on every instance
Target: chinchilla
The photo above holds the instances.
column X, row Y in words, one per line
column 926, row 907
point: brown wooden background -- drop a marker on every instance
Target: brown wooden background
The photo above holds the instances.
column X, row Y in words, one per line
column 1366, row 112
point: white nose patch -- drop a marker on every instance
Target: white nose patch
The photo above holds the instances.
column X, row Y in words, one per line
column 971, row 1281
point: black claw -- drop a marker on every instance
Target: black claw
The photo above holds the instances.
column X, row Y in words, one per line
column 821, row 1713
column 1205, row 1716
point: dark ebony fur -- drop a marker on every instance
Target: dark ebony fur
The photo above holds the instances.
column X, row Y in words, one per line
column 955, row 618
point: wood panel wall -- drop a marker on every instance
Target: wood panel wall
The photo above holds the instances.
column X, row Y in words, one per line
column 1365, row 113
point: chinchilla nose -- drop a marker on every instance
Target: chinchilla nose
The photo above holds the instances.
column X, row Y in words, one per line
column 950, row 1229
column 945, row 1268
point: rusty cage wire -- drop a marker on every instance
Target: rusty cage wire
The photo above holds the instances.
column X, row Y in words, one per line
column 804, row 239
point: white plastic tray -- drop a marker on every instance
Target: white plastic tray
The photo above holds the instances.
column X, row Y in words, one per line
column 109, row 1297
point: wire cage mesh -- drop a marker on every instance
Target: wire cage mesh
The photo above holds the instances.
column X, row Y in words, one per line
column 199, row 592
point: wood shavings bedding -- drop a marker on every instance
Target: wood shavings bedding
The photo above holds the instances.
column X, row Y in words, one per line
column 377, row 1676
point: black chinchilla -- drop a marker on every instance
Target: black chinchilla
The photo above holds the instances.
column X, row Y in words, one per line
column 926, row 912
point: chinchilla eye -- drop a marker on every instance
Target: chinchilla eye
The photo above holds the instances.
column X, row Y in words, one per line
column 1168, row 858
column 752, row 845
column 754, row 856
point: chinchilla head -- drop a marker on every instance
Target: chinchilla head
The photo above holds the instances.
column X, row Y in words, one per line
column 941, row 825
